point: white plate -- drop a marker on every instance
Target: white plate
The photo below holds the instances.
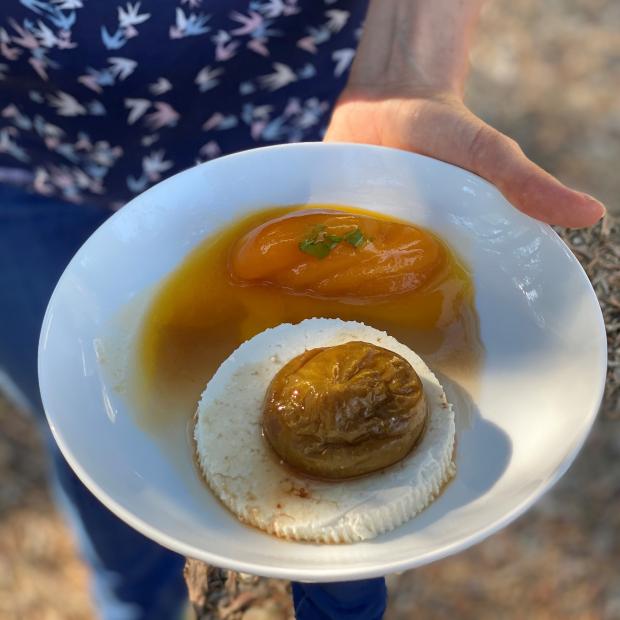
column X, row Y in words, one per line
column 540, row 390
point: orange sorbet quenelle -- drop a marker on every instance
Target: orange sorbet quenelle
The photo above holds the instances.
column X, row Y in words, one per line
column 330, row 254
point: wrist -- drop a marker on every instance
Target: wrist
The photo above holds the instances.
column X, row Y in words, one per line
column 399, row 91
column 415, row 48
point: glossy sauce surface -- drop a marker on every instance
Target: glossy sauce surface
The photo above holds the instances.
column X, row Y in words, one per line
column 252, row 275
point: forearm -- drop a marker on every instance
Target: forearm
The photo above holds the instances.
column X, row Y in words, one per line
column 415, row 47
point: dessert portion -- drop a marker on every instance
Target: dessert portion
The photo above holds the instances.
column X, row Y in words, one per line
column 323, row 430
column 358, row 435
column 344, row 411
column 338, row 255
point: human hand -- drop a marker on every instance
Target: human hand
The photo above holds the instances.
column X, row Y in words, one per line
column 441, row 126
column 406, row 88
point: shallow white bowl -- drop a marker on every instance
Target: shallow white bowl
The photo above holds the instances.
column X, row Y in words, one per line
column 541, row 384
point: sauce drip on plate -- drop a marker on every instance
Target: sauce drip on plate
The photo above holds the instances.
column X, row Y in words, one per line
column 289, row 264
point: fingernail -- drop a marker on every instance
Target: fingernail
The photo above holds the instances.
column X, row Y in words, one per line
column 598, row 206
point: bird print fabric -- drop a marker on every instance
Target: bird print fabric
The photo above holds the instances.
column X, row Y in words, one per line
column 100, row 100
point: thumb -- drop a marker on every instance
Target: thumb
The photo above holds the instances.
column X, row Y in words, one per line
column 474, row 145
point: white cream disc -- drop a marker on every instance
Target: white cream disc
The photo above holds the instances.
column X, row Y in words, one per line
column 247, row 477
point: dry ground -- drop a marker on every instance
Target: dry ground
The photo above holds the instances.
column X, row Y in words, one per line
column 548, row 74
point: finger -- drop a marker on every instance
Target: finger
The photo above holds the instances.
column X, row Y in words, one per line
column 461, row 138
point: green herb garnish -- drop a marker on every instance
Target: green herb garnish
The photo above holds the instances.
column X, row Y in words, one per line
column 355, row 238
column 319, row 244
column 318, row 249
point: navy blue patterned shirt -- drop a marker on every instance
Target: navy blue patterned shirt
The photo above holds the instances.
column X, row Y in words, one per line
column 100, row 99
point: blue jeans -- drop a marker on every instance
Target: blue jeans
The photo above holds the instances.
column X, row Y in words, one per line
column 133, row 577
